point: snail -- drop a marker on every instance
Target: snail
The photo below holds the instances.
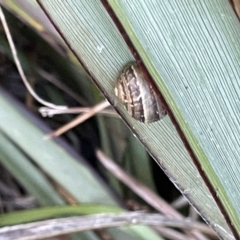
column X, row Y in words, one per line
column 138, row 96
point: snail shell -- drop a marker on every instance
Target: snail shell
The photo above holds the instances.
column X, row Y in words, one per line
column 137, row 96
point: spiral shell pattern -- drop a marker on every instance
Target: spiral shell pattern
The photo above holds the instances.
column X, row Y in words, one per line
column 138, row 96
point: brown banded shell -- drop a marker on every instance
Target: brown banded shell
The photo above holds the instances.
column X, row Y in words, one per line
column 138, row 96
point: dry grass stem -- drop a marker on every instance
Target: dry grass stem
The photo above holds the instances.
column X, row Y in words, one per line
column 19, row 67
column 55, row 227
column 81, row 118
column 144, row 192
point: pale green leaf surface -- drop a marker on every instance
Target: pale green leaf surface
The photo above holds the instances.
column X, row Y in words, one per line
column 95, row 39
column 197, row 58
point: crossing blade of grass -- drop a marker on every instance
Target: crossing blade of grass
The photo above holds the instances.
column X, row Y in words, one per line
column 22, row 168
column 56, row 161
column 31, row 215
